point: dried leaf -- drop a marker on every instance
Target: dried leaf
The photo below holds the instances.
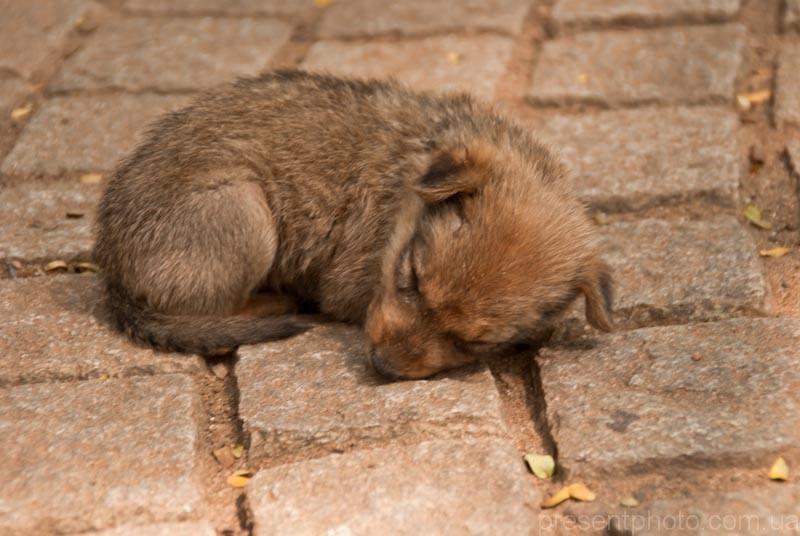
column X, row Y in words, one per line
column 104, row 377
column 21, row 112
column 779, row 251
column 629, row 501
column 52, row 266
column 779, row 470
column 753, row 215
column 453, row 57
column 580, row 492
column 224, row 456
column 323, row 3
column 240, row 478
column 757, row 97
column 237, row 450
column 84, row 266
column 541, row 465
column 743, row 103
column 91, row 178
column 554, row 500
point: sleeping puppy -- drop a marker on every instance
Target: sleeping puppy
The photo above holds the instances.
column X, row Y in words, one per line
column 440, row 226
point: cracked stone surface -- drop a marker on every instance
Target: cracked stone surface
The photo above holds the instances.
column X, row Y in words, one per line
column 787, row 97
column 173, row 54
column 635, row 159
column 127, row 452
column 447, row 487
column 83, row 134
column 162, row 529
column 57, row 327
column 423, row 64
column 33, row 32
column 675, row 396
column 348, row 18
column 690, row 65
column 318, row 393
column 580, row 14
column 47, row 221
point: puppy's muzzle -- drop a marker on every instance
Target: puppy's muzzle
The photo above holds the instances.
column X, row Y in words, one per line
column 383, row 366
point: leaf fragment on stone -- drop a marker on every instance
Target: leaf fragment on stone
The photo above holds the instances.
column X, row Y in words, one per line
column 53, row 266
column 91, row 178
column 240, row 478
column 754, row 216
column 453, row 57
column 757, row 97
column 779, row 251
column 84, row 266
column 554, row 500
column 629, row 501
column 540, row 465
column 224, row 456
column 779, row 470
column 323, row 3
column 743, row 102
column 237, row 450
column 21, row 112
column 580, row 492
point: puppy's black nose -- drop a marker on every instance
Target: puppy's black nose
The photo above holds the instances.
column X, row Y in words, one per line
column 381, row 364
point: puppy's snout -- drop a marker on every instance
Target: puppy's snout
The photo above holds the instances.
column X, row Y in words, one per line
column 383, row 366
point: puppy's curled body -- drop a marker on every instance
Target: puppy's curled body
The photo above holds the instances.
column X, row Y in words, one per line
column 336, row 191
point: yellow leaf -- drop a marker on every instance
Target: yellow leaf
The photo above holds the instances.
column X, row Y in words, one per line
column 629, row 501
column 774, row 252
column 453, row 57
column 757, row 97
column 323, row 3
column 237, row 450
column 554, row 500
column 91, row 178
column 52, row 266
column 104, row 377
column 541, row 465
column 22, row 112
column 753, row 215
column 779, row 470
column 581, row 493
column 240, row 478
column 84, row 266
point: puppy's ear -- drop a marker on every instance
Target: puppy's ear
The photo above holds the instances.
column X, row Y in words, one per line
column 598, row 287
column 454, row 171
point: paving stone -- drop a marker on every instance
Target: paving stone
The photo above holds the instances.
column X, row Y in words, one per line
column 582, row 14
column 215, row 7
column 162, row 529
column 691, row 65
column 423, row 64
column 83, row 134
column 636, row 159
column 173, row 54
column 33, row 31
column 771, row 510
column 89, row 455
column 787, row 98
column 47, row 221
column 791, row 15
column 677, row 396
column 56, row 328
column 318, row 392
column 447, row 487
column 667, row 272
column 348, row 18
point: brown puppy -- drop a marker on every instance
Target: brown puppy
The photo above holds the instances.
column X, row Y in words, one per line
column 441, row 226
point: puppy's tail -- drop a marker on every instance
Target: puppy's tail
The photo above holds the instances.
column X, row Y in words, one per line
column 194, row 334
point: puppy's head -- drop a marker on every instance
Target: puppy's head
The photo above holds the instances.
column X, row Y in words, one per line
column 497, row 251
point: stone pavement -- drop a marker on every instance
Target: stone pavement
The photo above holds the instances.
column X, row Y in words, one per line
column 684, row 408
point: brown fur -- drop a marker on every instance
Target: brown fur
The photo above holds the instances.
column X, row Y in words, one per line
column 440, row 225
